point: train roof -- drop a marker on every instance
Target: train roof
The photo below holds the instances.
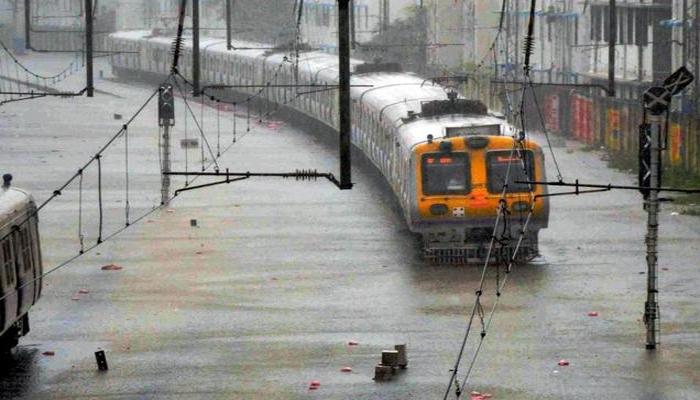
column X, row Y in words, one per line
column 13, row 201
column 393, row 95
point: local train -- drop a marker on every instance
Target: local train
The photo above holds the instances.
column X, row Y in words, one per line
column 445, row 157
column 20, row 263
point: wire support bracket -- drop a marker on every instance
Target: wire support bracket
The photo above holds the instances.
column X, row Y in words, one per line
column 605, row 187
column 299, row 175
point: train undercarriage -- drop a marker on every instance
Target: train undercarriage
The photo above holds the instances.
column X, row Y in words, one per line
column 459, row 247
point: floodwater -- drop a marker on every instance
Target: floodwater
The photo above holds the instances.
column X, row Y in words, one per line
column 264, row 294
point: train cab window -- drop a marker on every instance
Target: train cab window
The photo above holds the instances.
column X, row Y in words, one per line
column 7, row 263
column 497, row 168
column 446, row 173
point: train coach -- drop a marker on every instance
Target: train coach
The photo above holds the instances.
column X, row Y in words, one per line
column 446, row 158
column 20, row 263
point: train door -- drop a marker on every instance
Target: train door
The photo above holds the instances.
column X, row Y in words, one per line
column 8, row 306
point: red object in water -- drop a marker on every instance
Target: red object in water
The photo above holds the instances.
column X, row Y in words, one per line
column 346, row 369
column 83, row 291
column 314, row 385
column 49, row 353
column 353, row 343
column 593, row 313
column 563, row 363
column 111, row 267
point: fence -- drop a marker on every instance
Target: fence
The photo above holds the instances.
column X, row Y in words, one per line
column 598, row 120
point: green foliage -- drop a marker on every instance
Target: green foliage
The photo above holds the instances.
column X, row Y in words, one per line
column 403, row 42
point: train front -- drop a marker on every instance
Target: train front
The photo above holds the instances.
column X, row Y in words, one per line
column 459, row 182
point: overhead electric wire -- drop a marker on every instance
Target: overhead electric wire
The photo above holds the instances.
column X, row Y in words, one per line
column 504, row 241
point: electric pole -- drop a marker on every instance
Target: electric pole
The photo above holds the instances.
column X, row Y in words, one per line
column 27, row 25
column 424, row 39
column 344, row 92
column 88, row 48
column 696, row 27
column 612, row 38
column 228, row 25
column 195, row 48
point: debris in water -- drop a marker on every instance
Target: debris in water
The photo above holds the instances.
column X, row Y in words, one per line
column 49, row 353
column 593, row 313
column 346, row 369
column 83, row 291
column 111, row 267
column 563, row 363
column 353, row 343
column 314, row 385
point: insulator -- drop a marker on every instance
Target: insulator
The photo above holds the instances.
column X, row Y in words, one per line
column 528, row 49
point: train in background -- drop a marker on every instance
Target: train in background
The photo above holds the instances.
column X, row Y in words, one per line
column 20, row 263
column 444, row 157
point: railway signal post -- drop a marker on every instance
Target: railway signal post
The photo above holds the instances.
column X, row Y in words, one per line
column 656, row 106
column 166, row 119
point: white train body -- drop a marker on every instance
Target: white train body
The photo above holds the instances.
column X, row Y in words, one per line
column 386, row 122
column 20, row 264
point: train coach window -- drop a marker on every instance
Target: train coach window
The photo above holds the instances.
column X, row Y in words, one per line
column 26, row 248
column 7, row 264
column 497, row 163
column 446, row 173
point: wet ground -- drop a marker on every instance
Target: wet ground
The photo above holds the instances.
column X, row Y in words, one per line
column 278, row 276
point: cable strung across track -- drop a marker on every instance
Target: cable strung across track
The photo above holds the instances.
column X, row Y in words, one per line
column 499, row 251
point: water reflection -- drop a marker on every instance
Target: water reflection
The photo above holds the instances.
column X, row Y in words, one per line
column 18, row 372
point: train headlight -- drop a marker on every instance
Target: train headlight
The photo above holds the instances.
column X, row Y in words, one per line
column 439, row 209
column 521, row 206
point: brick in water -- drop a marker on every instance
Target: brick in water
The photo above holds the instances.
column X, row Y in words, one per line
column 383, row 373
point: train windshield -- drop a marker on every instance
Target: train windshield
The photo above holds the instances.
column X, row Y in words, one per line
column 446, row 173
column 521, row 169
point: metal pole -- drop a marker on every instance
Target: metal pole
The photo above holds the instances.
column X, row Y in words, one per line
column 88, row 48
column 612, row 39
column 424, row 39
column 353, row 36
column 684, row 39
column 228, row 25
column 344, row 92
column 651, row 307
column 385, row 16
column 195, row 48
column 27, row 25
column 165, row 177
column 696, row 27
column 517, row 37
column 507, row 56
